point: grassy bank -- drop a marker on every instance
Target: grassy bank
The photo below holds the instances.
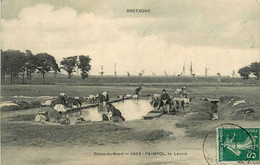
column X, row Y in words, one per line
column 8, row 91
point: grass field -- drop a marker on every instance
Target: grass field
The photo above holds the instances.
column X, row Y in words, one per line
column 132, row 80
column 164, row 133
column 250, row 92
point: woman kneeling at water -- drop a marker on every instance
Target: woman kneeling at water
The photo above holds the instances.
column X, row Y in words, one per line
column 116, row 114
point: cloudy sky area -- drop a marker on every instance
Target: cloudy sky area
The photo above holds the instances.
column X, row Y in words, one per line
column 221, row 35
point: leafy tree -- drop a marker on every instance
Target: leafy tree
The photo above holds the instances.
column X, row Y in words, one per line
column 84, row 65
column 56, row 69
column 244, row 72
column 45, row 63
column 4, row 64
column 255, row 69
column 30, row 65
column 69, row 65
column 13, row 63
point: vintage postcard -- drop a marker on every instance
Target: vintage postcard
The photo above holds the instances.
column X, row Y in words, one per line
column 142, row 82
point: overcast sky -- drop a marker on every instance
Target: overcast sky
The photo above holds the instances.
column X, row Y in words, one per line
column 218, row 34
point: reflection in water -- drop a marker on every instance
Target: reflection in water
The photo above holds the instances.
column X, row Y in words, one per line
column 92, row 115
column 130, row 109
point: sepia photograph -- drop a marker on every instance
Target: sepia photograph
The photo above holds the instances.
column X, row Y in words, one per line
column 130, row 82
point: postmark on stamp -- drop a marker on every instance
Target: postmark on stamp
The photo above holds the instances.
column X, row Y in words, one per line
column 238, row 145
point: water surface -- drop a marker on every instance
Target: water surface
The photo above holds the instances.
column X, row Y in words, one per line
column 130, row 109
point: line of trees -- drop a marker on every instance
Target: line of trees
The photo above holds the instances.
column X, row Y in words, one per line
column 254, row 69
column 16, row 63
column 69, row 64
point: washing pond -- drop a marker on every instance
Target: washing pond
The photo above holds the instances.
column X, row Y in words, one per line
column 130, row 109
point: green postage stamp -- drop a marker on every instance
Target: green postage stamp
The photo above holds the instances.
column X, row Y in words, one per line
column 238, row 145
